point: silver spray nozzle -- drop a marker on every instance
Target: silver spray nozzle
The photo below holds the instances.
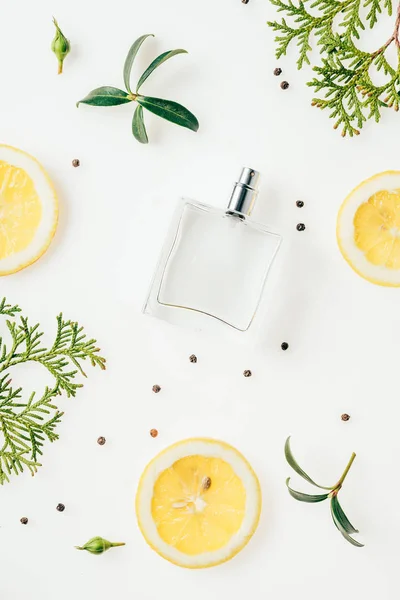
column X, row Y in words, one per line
column 245, row 192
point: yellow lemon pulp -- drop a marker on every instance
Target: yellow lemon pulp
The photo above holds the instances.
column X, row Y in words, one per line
column 198, row 503
column 20, row 209
column 368, row 229
column 191, row 516
column 377, row 228
column 28, row 210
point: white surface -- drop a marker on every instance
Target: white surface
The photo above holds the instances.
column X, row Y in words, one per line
column 343, row 331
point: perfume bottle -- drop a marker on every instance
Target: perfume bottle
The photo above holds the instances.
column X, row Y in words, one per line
column 214, row 263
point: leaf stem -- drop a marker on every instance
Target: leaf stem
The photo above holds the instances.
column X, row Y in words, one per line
column 393, row 38
column 347, row 469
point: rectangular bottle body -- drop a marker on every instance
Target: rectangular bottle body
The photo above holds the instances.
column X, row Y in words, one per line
column 213, row 267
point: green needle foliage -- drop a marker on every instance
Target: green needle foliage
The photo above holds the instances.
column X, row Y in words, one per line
column 343, row 78
column 338, row 516
column 166, row 109
column 25, row 426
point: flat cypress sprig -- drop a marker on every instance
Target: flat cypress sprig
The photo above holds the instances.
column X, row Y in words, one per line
column 26, row 425
column 343, row 77
column 166, row 109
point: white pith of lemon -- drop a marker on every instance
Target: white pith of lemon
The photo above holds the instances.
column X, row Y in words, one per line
column 368, row 229
column 28, row 210
column 185, row 522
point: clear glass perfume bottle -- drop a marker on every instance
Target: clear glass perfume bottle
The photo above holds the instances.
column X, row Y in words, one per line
column 214, row 263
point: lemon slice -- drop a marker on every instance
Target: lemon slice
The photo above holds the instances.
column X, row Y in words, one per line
column 28, row 210
column 368, row 229
column 198, row 503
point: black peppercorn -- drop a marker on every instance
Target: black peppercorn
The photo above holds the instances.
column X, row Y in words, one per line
column 345, row 417
column 60, row 507
column 76, row 162
column 299, row 203
column 101, row 440
column 245, row 1
column 284, row 345
column 247, row 373
column 300, row 227
column 277, row 71
column 284, row 85
column 24, row 521
column 193, row 358
column 156, row 389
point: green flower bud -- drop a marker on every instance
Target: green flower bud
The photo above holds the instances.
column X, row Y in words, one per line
column 60, row 46
column 98, row 545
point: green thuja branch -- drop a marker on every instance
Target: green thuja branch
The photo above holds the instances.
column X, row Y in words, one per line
column 26, row 425
column 343, row 78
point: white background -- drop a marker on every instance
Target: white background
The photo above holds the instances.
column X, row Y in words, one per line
column 115, row 209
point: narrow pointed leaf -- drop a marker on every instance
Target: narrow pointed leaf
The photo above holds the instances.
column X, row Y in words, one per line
column 293, row 463
column 105, row 96
column 342, row 522
column 134, row 49
column 156, row 63
column 171, row 111
column 138, row 127
column 342, row 517
column 305, row 497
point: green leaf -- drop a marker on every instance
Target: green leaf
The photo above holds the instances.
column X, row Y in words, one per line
column 134, row 49
column 171, row 111
column 138, row 127
column 305, row 497
column 292, row 462
column 105, row 96
column 156, row 63
column 342, row 522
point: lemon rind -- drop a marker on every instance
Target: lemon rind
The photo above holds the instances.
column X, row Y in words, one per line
column 381, row 281
column 184, row 560
column 52, row 199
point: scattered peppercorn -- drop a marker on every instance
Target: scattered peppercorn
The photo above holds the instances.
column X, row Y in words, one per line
column 277, row 71
column 76, row 162
column 345, row 417
column 24, row 521
column 247, row 373
column 206, row 483
column 245, row 1
column 284, row 85
column 193, row 358
column 284, row 345
column 300, row 227
column 101, row 440
column 153, row 433
column 60, row 507
column 299, row 203
column 156, row 389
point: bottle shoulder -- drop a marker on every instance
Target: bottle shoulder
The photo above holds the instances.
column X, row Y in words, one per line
column 206, row 212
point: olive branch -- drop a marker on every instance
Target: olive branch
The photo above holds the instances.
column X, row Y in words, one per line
column 349, row 93
column 339, row 518
column 25, row 426
column 166, row 109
